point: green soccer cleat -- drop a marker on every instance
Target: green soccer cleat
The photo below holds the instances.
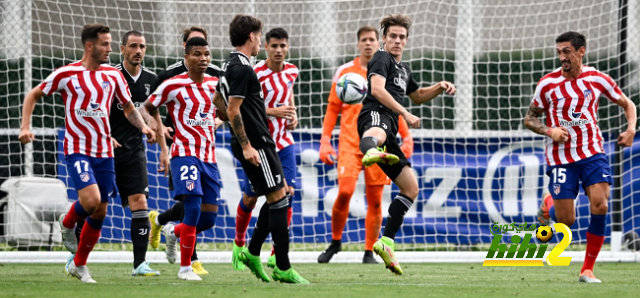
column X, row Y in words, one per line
column 380, row 156
column 254, row 264
column 384, row 248
column 154, row 234
column 235, row 257
column 271, row 262
column 289, row 276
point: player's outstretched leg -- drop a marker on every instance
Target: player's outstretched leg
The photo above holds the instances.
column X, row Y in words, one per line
column 374, row 154
column 339, row 216
column 384, row 247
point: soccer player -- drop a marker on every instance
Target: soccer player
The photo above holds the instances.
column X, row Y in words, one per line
column 575, row 153
column 88, row 88
column 256, row 150
column 196, row 179
column 175, row 213
column 277, row 78
column 389, row 81
column 349, row 156
column 130, row 156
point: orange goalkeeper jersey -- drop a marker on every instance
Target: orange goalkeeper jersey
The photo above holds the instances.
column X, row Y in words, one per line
column 349, row 140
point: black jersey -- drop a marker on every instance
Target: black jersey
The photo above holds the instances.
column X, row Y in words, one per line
column 238, row 79
column 129, row 136
column 399, row 81
column 177, row 69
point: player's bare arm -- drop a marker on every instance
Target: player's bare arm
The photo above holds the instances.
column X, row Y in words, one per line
column 136, row 120
column 626, row 138
column 233, row 111
column 150, row 113
column 293, row 123
column 533, row 123
column 26, row 136
column 218, row 101
column 426, row 94
column 383, row 96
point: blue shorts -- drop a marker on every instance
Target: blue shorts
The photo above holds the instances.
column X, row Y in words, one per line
column 288, row 160
column 194, row 177
column 86, row 170
column 565, row 179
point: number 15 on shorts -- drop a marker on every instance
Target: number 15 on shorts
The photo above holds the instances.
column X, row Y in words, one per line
column 559, row 175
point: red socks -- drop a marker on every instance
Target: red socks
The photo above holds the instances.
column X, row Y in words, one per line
column 88, row 239
column 242, row 223
column 594, row 244
column 76, row 213
column 187, row 235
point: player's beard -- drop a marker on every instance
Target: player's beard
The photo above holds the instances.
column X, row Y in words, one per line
column 134, row 63
column 98, row 57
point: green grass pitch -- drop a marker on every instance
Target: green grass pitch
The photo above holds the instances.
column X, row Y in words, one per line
column 328, row 281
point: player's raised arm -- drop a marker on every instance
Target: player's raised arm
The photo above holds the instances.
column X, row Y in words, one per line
column 26, row 136
column 426, row 94
column 626, row 138
column 384, row 97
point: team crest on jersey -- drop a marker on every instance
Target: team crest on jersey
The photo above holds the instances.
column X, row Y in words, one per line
column 106, row 86
column 190, row 185
column 588, row 95
column 556, row 189
column 147, row 87
column 84, row 177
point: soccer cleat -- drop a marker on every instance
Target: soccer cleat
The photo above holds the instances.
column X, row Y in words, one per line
column 81, row 272
column 543, row 211
column 171, row 239
column 254, row 264
column 66, row 266
column 368, row 258
column 154, row 235
column 384, row 249
column 144, row 270
column 188, row 275
column 289, row 276
column 271, row 261
column 235, row 257
column 588, row 277
column 68, row 236
column 198, row 269
column 327, row 254
column 380, row 156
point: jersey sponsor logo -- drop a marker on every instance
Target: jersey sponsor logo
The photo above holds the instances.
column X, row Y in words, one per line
column 147, row 88
column 190, row 184
column 578, row 118
column 84, row 176
column 399, row 81
column 93, row 110
column 202, row 119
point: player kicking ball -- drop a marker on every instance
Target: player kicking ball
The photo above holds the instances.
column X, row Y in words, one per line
column 196, row 178
column 389, row 81
column 88, row 88
column 277, row 78
column 253, row 146
column 574, row 152
column 350, row 158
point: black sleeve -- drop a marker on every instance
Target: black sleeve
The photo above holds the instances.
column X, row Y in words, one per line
column 163, row 76
column 378, row 65
column 237, row 78
column 214, row 72
column 412, row 85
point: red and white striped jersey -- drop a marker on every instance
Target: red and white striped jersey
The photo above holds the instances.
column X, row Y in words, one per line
column 573, row 104
column 88, row 96
column 191, row 108
column 277, row 88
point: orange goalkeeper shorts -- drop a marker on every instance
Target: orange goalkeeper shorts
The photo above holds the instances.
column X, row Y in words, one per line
column 350, row 165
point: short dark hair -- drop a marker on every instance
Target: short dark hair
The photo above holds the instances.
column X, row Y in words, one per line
column 241, row 26
column 367, row 28
column 577, row 40
column 90, row 32
column 125, row 37
column 187, row 31
column 395, row 19
column 277, row 33
column 194, row 42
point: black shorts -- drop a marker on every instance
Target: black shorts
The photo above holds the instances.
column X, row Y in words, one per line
column 131, row 176
column 389, row 123
column 269, row 176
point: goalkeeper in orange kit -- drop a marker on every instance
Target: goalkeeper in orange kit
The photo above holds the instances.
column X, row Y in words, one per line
column 349, row 155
